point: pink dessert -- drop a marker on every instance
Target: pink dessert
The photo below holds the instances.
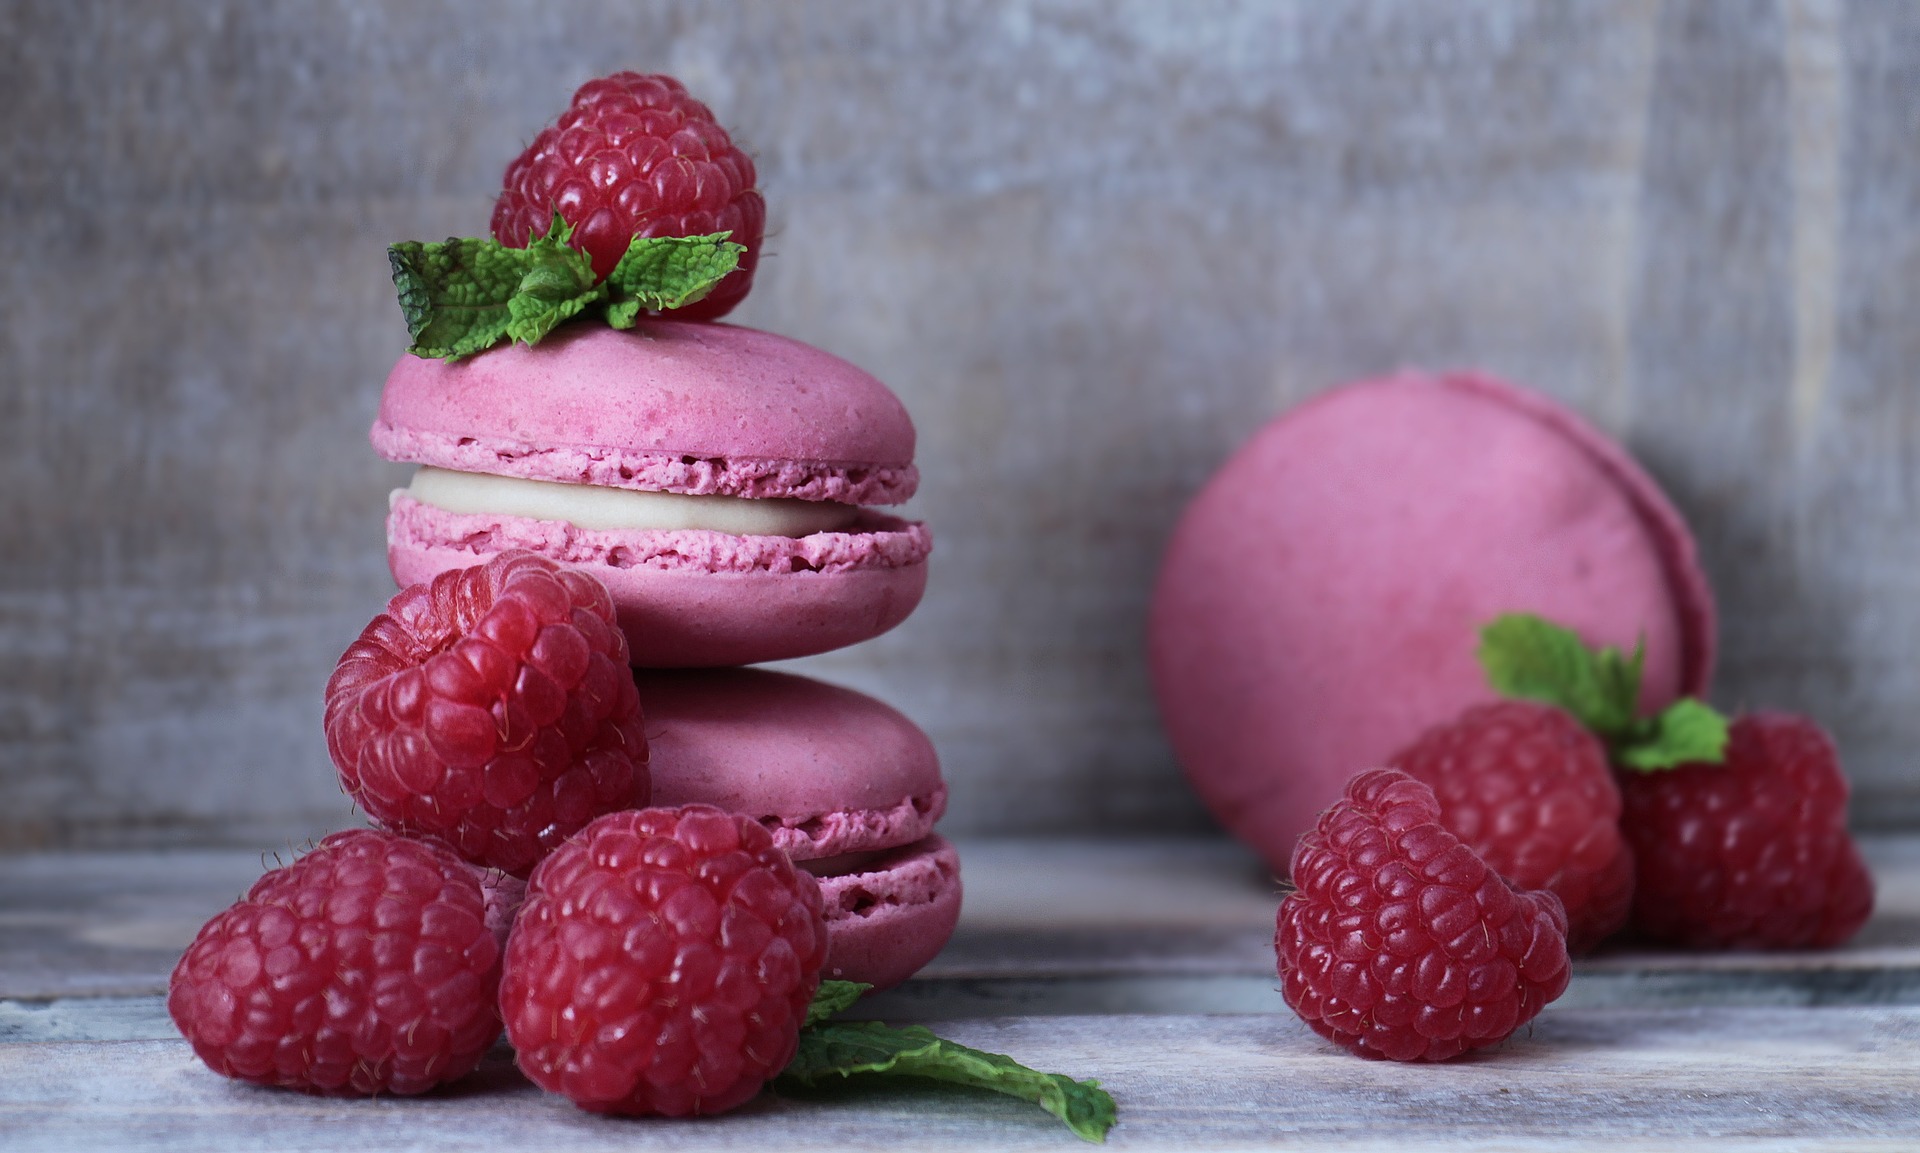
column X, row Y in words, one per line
column 719, row 480
column 1319, row 603
column 848, row 786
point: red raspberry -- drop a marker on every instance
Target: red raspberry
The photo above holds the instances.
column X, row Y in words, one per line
column 663, row 963
column 635, row 156
column 1399, row 942
column 1527, row 787
column 366, row 966
column 1753, row 853
column 492, row 708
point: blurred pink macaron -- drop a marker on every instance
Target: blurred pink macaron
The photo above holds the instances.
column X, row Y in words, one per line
column 848, row 786
column 719, row 480
column 1319, row 603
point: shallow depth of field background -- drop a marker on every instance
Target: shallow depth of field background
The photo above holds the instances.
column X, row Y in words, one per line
column 1091, row 244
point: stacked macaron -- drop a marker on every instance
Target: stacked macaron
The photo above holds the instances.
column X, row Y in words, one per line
column 569, row 394
column 721, row 483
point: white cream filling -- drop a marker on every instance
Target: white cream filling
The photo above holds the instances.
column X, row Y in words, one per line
column 598, row 508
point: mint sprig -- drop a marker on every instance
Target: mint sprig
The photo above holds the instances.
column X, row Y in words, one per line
column 833, row 997
column 462, row 296
column 848, row 1048
column 1531, row 658
column 661, row 273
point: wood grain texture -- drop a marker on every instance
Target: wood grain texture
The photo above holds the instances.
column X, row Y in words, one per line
column 1091, row 244
column 1749, row 1079
column 1047, row 926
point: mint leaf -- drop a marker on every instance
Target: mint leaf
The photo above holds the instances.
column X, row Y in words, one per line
column 1532, row 658
column 558, row 282
column 658, row 273
column 454, row 294
column 464, row 296
column 834, row 997
column 1529, row 657
column 1685, row 732
column 867, row 1047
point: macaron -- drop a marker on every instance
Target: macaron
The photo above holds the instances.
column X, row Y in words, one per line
column 1319, row 602
column 848, row 786
column 722, row 482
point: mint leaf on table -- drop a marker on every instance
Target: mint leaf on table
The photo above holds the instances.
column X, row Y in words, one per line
column 658, row 273
column 1531, row 658
column 848, row 1048
column 834, row 997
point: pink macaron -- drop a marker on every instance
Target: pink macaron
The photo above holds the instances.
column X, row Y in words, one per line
column 1320, row 600
column 719, row 480
column 847, row 786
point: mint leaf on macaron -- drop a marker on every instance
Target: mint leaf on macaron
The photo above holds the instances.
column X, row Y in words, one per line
column 1531, row 658
column 462, row 296
column 454, row 293
column 557, row 283
column 844, row 1049
column 659, row 273
column 834, row 997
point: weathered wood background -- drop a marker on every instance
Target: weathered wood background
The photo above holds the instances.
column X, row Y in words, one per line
column 1091, row 244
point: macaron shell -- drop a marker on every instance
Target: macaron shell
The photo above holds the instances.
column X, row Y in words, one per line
column 1320, row 599
column 884, row 924
column 827, row 770
column 667, row 405
column 694, row 598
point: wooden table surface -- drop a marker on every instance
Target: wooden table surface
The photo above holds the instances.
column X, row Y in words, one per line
column 1146, row 965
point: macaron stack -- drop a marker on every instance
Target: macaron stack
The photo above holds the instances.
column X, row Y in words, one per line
column 719, row 481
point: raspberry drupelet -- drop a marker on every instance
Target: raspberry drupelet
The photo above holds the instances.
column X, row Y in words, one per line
column 492, row 707
column 1399, row 942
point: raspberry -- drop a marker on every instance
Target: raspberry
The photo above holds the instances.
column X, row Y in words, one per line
column 1753, row 853
column 492, row 708
column 663, row 963
column 1527, row 787
column 1399, row 942
column 365, row 966
column 635, row 156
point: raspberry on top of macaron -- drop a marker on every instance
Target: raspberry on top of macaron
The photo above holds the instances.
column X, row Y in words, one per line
column 716, row 479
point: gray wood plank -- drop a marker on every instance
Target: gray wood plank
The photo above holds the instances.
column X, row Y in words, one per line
column 1047, row 927
column 1807, row 1079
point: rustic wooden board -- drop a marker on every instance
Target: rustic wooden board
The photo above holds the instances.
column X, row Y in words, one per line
column 1092, row 244
column 1803, row 1079
column 1047, row 926
column 1143, row 965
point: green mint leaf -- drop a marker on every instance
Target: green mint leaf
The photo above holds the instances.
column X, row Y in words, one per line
column 1532, row 658
column 557, row 284
column 454, row 294
column 1685, row 732
column 658, row 273
column 867, row 1047
column 834, row 997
